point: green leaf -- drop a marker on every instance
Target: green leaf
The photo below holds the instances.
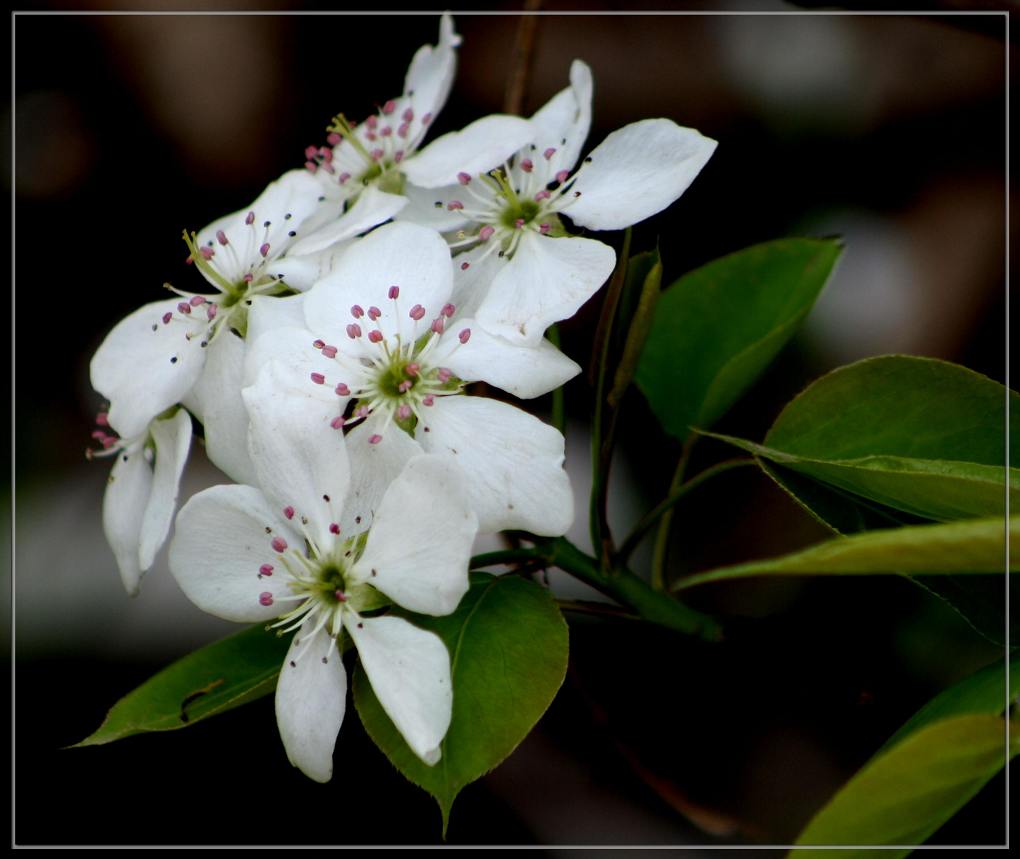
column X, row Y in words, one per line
column 984, row 692
column 918, row 435
column 508, row 654
column 217, row 678
column 717, row 328
column 971, row 546
column 638, row 321
column 903, row 796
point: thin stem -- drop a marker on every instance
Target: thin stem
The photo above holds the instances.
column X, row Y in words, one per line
column 505, row 556
column 524, row 48
column 558, row 418
column 651, row 517
column 661, row 549
column 596, row 608
column 601, row 454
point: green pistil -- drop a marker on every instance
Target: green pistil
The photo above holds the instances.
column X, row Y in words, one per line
column 203, row 264
column 522, row 210
column 342, row 127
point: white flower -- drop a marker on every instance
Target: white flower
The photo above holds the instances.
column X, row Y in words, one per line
column 282, row 552
column 384, row 151
column 382, row 347
column 521, row 270
column 189, row 349
column 141, row 494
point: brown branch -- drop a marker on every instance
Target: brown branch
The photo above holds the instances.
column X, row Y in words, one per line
column 517, row 85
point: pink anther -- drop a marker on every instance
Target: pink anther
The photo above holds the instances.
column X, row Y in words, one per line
column 207, row 252
column 342, row 390
column 337, row 422
column 210, row 312
column 374, row 313
column 266, row 569
column 394, row 292
column 412, row 369
column 344, row 177
column 464, row 266
column 416, row 312
column 333, row 138
column 404, row 386
column 279, row 544
column 354, row 330
column 196, row 300
column 454, row 205
column 334, row 528
column 562, row 176
column 403, row 411
column 443, row 374
column 375, row 335
column 318, row 344
column 485, row 233
column 428, row 400
column 329, row 351
column 463, row 178
column 542, row 195
column 249, row 218
column 389, row 107
column 221, row 237
column 407, row 115
column 544, row 229
column 264, row 249
column 265, row 598
column 375, row 438
column 288, row 511
column 438, row 324
column 311, row 152
column 318, row 378
column 549, row 153
column 527, row 165
column 464, row 335
column 183, row 307
column 167, row 317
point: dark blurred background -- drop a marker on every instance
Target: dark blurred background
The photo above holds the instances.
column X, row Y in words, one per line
column 887, row 130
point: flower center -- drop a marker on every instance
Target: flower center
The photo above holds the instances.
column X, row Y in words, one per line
column 395, row 377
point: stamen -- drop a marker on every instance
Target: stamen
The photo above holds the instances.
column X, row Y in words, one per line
column 288, row 511
column 334, row 528
column 417, row 312
column 337, row 422
column 374, row 439
column 389, row 107
column 221, row 237
column 438, row 324
column 549, row 153
column 403, row 411
column 454, row 205
column 394, row 292
column 266, row 570
column 318, row 378
column 448, row 310
column 264, row 250
column 464, row 335
column 374, row 313
column 357, row 312
column 375, row 335
column 411, row 369
column 329, row 351
column 279, row 544
column 342, row 390
column 463, row 178
column 250, row 219
column 562, row 176
column 265, row 598
column 333, row 138
column 485, row 233
column 428, row 400
column 527, row 165
column 354, row 331
column 318, row 344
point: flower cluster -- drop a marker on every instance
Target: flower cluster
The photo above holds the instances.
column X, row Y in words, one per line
column 351, row 306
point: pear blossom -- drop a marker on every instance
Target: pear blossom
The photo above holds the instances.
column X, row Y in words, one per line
column 282, row 553
column 141, row 492
column 385, row 150
column 384, row 355
column 521, row 269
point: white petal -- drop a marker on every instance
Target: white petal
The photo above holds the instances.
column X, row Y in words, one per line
column 300, row 460
column 415, row 259
column 522, row 370
column 286, row 204
column 144, row 366
column 409, row 669
column 547, row 280
column 471, row 284
column 372, row 208
column 484, row 144
column 431, row 73
column 420, row 543
column 421, row 207
column 563, row 122
column 217, row 398
column 172, row 438
column 220, row 543
column 310, row 699
column 513, row 463
column 267, row 313
column 124, row 501
column 373, row 468
column 293, row 349
column 637, row 171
